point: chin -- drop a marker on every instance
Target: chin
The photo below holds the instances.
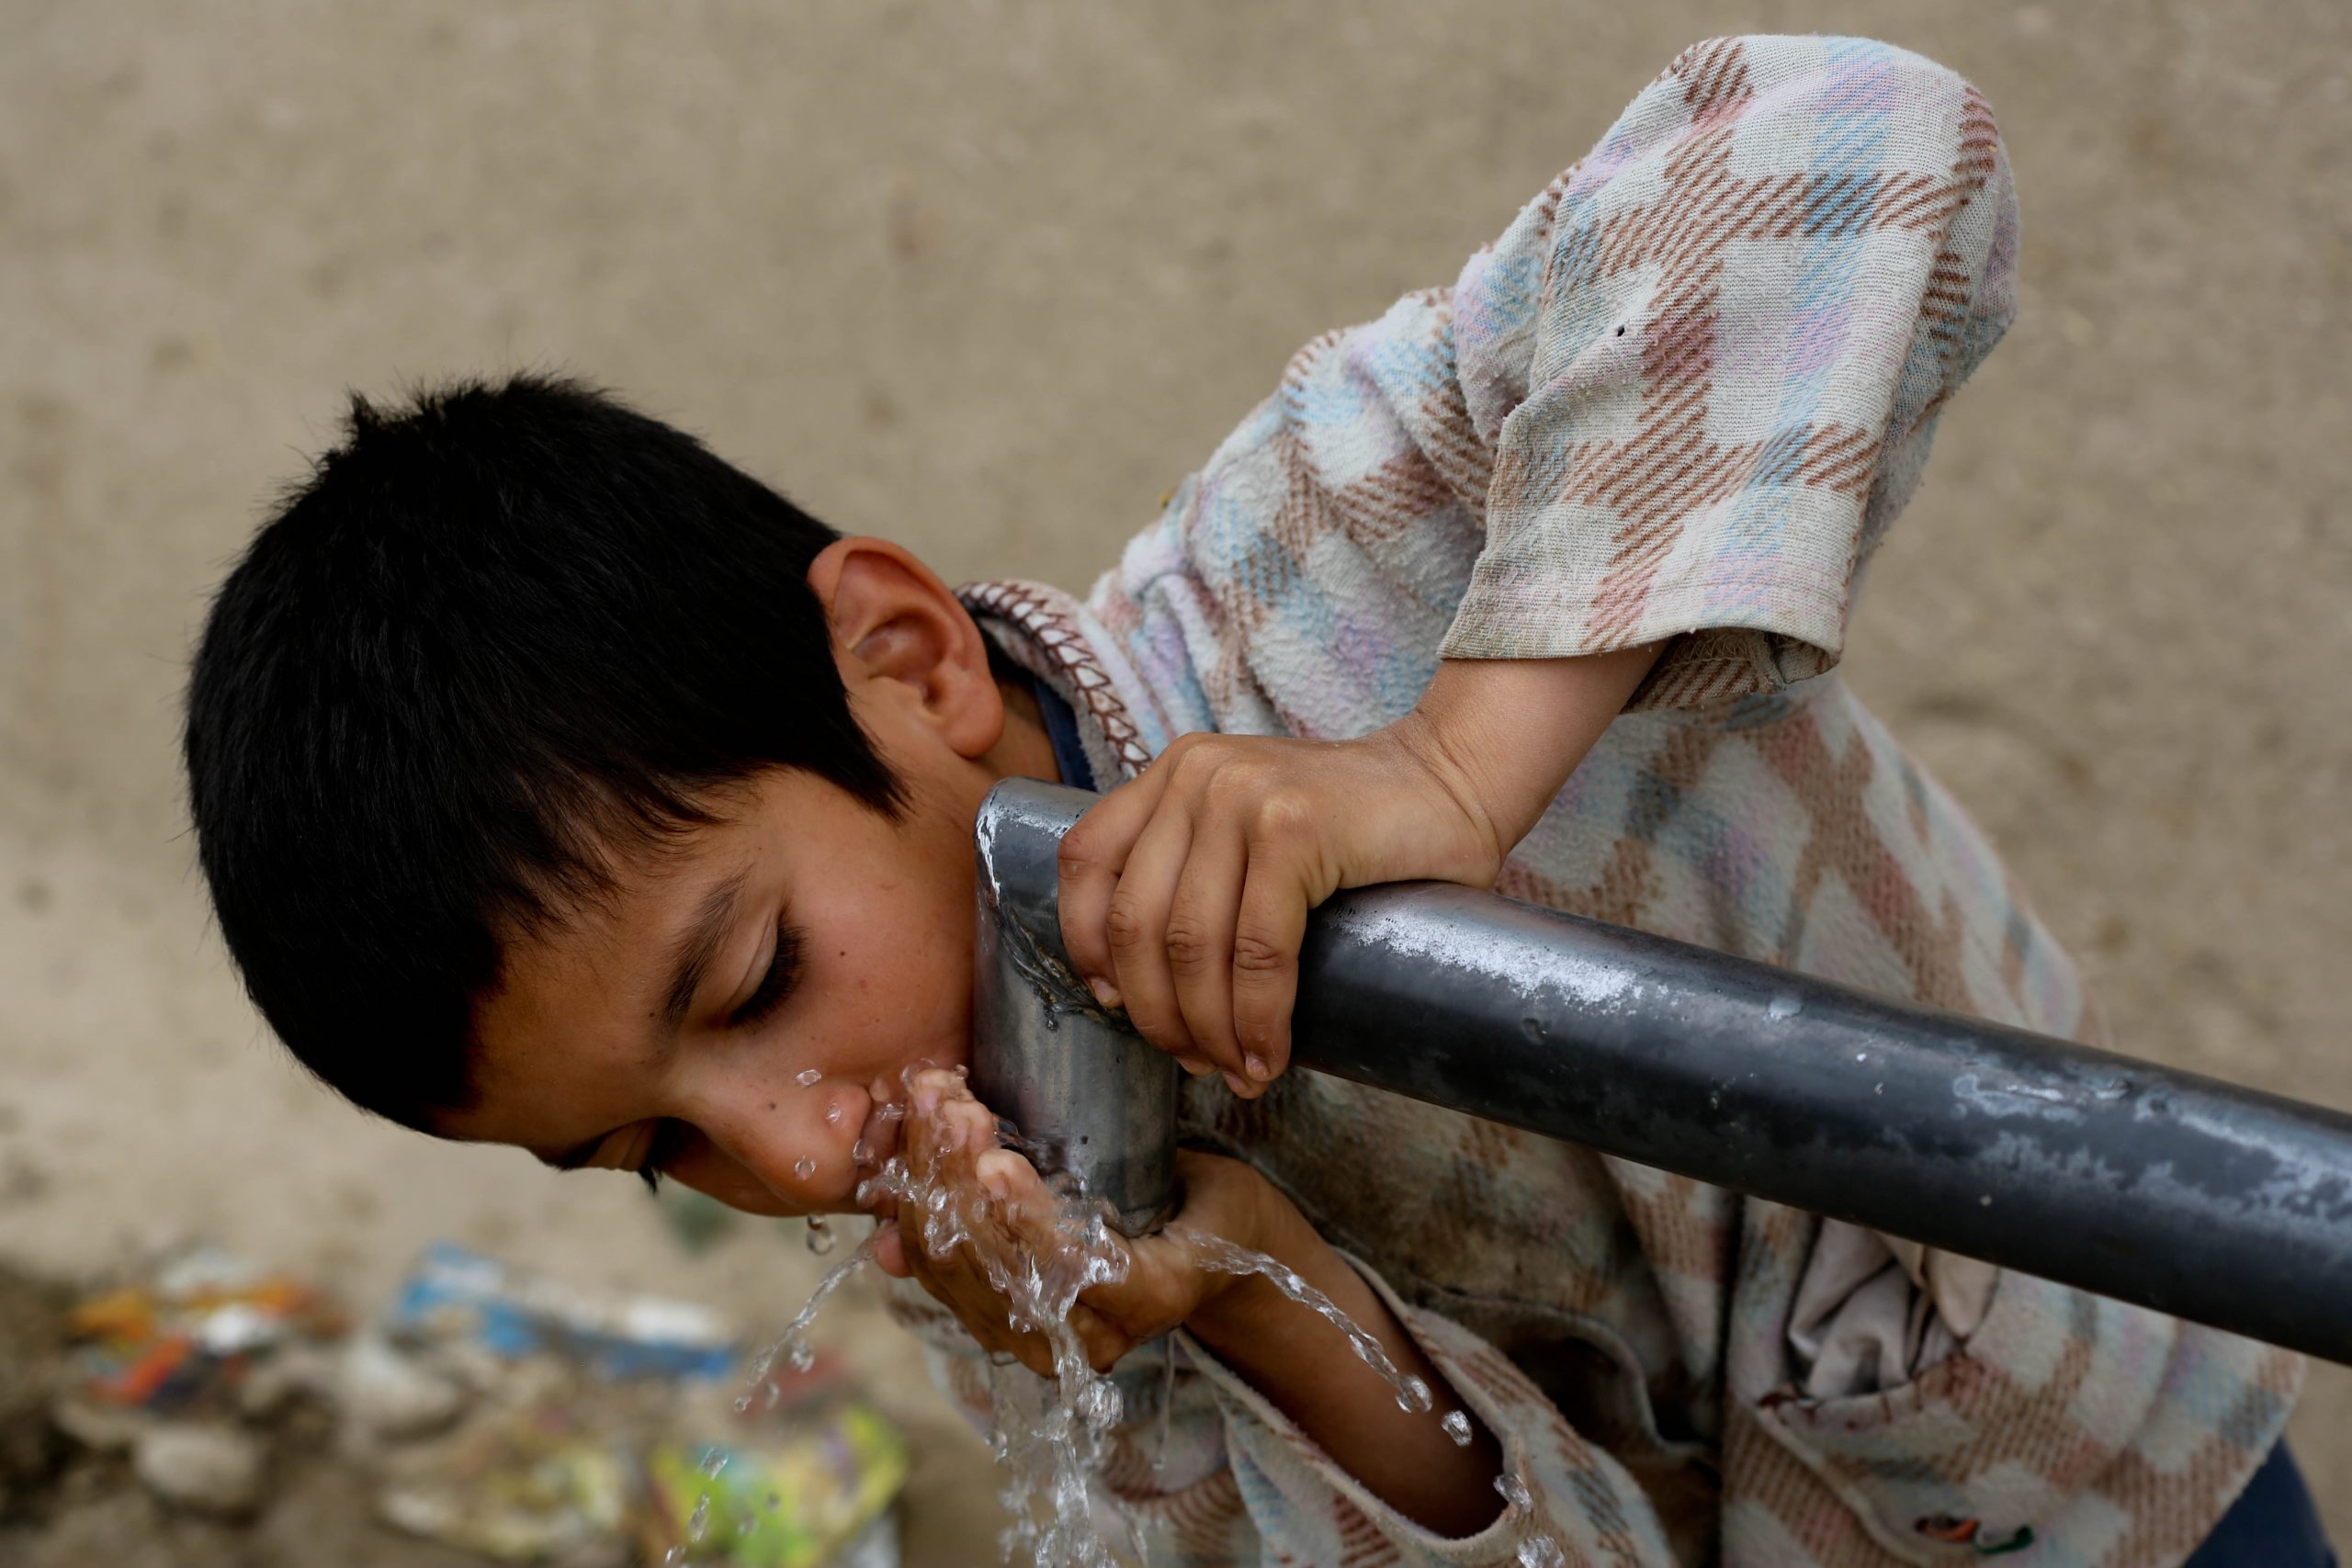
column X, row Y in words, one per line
column 751, row 1198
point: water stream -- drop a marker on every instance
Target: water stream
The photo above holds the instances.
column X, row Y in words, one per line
column 1053, row 1434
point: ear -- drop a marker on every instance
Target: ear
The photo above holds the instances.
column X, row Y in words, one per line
column 901, row 638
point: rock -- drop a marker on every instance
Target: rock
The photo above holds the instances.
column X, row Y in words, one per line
column 211, row 1470
column 392, row 1397
column 295, row 1373
column 103, row 1429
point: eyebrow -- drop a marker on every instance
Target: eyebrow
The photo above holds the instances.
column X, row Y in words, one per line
column 695, row 951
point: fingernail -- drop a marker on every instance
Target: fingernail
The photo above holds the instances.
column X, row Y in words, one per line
column 1105, row 993
column 1234, row 1082
column 1195, row 1066
column 1257, row 1066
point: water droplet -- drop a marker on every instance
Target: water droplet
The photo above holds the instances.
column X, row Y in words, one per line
column 1514, row 1490
column 1457, row 1426
column 834, row 1114
column 821, row 1236
column 804, row 1167
column 1861, row 1055
column 700, row 1524
column 862, row 1152
column 1539, row 1551
column 1784, row 1006
column 713, row 1461
column 893, row 1111
column 802, row 1358
column 807, row 1077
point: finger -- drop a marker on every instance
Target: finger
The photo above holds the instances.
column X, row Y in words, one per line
column 1101, row 1342
column 1137, row 926
column 1199, row 943
column 1007, row 1176
column 1087, row 870
column 890, row 1252
column 939, row 1123
column 1267, row 931
column 1033, row 1353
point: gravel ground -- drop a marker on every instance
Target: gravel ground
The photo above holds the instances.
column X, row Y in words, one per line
column 989, row 277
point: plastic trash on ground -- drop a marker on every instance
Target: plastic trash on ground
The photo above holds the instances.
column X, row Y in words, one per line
column 456, row 1294
column 190, row 1331
column 525, row 1486
column 604, row 1420
column 795, row 1498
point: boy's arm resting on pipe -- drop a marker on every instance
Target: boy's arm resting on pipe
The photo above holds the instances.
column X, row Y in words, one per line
column 1184, row 895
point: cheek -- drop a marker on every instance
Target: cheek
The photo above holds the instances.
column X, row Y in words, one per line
column 904, row 961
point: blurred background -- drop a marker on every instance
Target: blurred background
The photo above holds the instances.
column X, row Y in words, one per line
column 989, row 277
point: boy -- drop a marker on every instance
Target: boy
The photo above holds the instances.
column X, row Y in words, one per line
column 559, row 785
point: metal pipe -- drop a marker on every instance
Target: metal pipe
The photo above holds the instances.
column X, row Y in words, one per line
column 2175, row 1192
column 1089, row 1099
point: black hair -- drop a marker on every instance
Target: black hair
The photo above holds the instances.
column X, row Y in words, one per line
column 492, row 633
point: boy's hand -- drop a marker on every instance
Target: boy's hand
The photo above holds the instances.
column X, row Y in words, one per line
column 1184, row 892
column 949, row 1139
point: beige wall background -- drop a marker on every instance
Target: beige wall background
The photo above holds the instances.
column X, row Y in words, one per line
column 989, row 277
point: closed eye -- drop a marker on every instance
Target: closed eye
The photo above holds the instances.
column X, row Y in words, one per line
column 781, row 978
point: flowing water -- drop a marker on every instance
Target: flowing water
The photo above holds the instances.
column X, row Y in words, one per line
column 1052, row 1434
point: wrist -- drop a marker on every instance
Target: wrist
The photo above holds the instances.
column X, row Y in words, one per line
column 1503, row 735
column 1228, row 1306
column 1430, row 738
column 1227, row 1201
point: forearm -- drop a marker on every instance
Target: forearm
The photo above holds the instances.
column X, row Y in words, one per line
column 1506, row 733
column 1305, row 1368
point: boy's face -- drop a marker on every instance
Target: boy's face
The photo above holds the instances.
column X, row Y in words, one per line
column 802, row 934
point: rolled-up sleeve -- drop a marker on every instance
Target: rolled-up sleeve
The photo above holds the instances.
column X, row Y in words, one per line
column 1678, row 402
column 1709, row 358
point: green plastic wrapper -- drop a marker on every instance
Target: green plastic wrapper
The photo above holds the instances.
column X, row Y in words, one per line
column 792, row 1500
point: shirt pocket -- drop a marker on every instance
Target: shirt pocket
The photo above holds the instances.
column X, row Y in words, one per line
column 1980, row 1451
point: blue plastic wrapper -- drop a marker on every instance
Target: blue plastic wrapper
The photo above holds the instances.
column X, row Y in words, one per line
column 452, row 1293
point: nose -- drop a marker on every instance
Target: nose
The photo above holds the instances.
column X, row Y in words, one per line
column 799, row 1146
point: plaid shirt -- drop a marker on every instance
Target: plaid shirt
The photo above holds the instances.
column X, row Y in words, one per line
column 1680, row 399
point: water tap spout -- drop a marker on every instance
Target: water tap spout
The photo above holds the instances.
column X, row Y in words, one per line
column 1092, row 1104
